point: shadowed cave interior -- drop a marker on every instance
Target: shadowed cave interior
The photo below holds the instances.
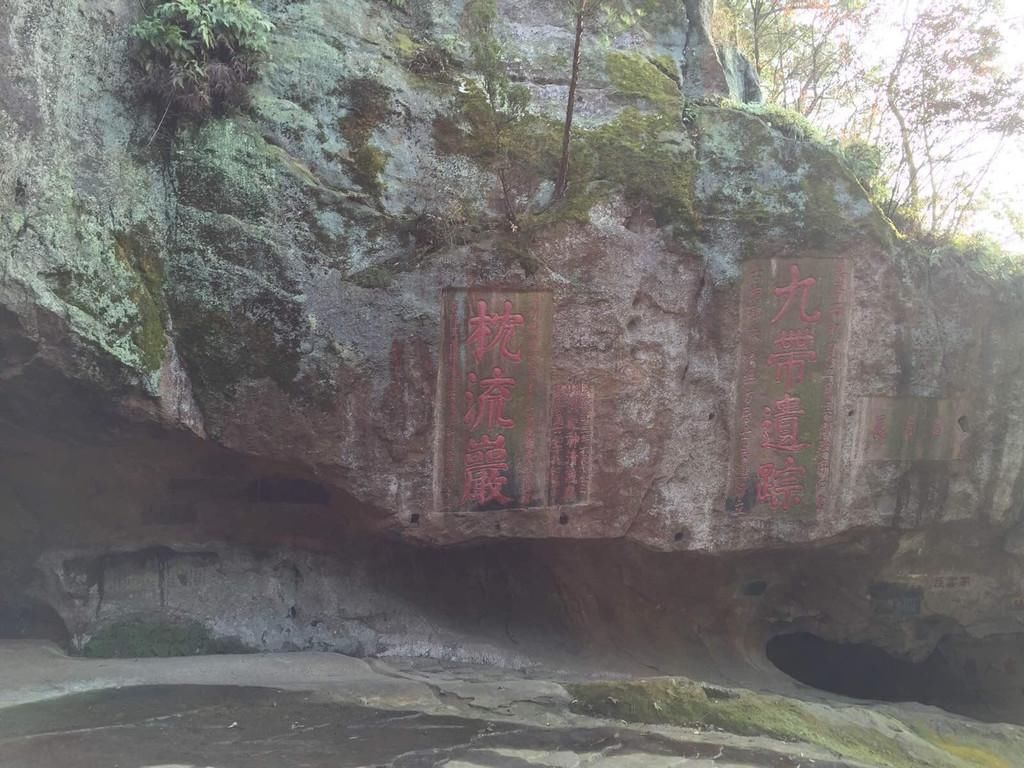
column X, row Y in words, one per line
column 977, row 677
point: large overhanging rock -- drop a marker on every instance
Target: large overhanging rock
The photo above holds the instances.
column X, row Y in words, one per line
column 261, row 330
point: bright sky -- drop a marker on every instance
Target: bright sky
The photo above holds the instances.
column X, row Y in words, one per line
column 1004, row 184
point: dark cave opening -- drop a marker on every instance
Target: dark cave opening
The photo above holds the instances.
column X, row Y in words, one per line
column 982, row 678
column 24, row 618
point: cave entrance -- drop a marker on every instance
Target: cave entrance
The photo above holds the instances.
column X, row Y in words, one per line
column 23, row 618
column 982, row 678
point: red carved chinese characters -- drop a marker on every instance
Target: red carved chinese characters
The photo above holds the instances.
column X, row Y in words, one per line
column 494, row 331
column 493, row 445
column 488, row 406
column 490, row 336
column 793, row 349
column 789, row 292
column 781, row 426
column 780, row 487
column 486, row 459
column 909, row 427
column 793, row 324
column 571, row 439
column 880, row 428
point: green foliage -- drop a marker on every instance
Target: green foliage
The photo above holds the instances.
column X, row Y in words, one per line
column 939, row 97
column 804, row 53
column 865, row 159
column 980, row 252
column 142, row 639
column 478, row 18
column 491, row 107
column 199, row 56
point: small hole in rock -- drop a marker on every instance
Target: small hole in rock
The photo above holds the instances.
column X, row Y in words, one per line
column 711, row 417
column 563, row 519
column 679, row 536
column 849, row 413
column 414, row 518
column 962, row 421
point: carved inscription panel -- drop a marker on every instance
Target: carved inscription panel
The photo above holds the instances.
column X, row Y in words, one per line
column 572, row 437
column 494, row 413
column 793, row 320
column 910, row 429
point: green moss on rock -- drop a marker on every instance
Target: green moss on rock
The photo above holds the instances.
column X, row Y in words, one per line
column 646, row 156
column 113, row 286
column 145, row 639
column 788, row 122
column 149, row 336
column 379, row 276
column 368, row 161
column 636, row 75
column 879, row 739
column 369, row 106
column 140, row 253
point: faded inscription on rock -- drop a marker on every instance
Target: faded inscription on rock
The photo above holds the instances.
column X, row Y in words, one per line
column 793, row 320
column 910, row 429
column 494, row 399
column 572, row 433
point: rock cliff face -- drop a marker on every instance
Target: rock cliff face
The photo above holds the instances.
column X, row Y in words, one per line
column 221, row 347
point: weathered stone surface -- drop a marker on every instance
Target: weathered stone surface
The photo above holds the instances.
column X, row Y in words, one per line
column 710, row 70
column 744, row 84
column 227, row 339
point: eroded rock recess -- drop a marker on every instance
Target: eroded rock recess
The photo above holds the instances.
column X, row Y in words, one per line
column 235, row 392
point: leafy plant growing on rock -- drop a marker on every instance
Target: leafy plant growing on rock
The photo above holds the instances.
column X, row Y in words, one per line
column 585, row 14
column 611, row 15
column 198, row 57
column 494, row 108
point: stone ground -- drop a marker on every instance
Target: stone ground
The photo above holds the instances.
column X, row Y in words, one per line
column 315, row 709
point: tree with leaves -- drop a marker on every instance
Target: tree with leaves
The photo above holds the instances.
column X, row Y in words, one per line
column 951, row 107
column 606, row 15
column 805, row 51
column 493, row 107
column 914, row 91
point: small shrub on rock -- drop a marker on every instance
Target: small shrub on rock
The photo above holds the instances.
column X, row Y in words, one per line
column 198, row 57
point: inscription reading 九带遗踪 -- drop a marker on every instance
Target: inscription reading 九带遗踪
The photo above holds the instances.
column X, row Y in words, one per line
column 793, row 319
